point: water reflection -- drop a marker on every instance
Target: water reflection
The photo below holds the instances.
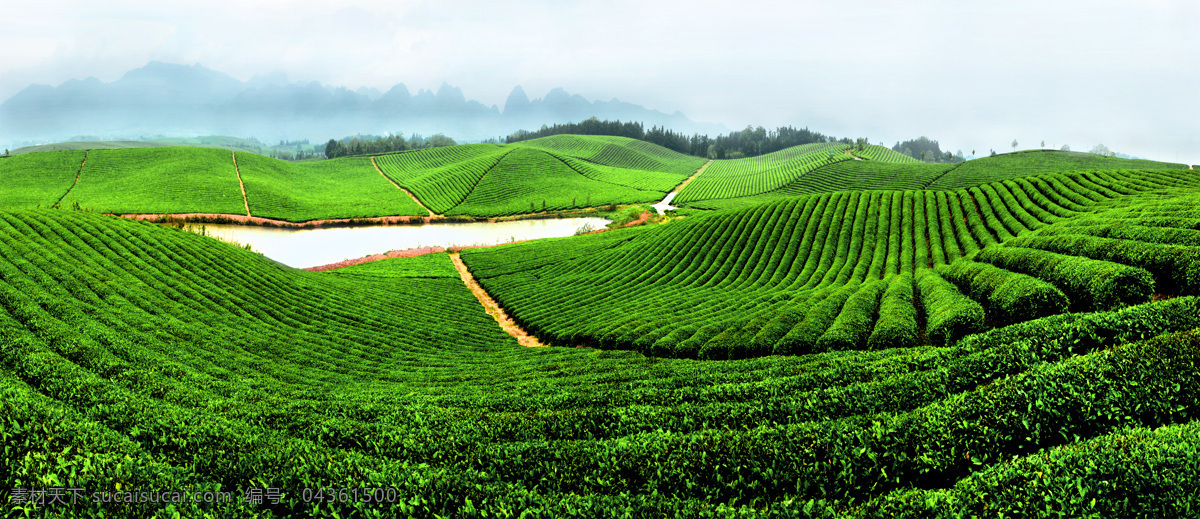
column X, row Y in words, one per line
column 304, row 248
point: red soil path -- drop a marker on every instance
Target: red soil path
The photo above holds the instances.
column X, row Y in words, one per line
column 240, row 184
column 493, row 308
column 407, row 192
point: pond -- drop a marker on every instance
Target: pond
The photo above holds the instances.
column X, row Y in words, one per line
column 303, row 248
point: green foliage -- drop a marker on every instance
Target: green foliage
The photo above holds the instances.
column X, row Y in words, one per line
column 897, row 324
column 423, row 266
column 1176, row 268
column 757, row 175
column 856, row 320
column 143, row 356
column 159, row 180
column 38, row 179
column 949, row 314
column 441, row 177
column 340, row 188
column 1009, row 296
column 525, row 174
column 622, row 153
column 1033, row 162
column 1091, row 284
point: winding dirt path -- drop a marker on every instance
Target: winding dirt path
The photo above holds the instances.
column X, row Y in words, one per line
column 77, row 174
column 407, row 192
column 240, row 184
column 492, row 308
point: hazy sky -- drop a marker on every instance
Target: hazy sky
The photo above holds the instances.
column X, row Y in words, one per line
column 974, row 75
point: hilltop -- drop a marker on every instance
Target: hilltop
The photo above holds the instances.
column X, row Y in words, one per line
column 549, row 174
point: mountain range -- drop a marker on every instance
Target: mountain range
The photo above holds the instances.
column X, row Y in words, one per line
column 165, row 99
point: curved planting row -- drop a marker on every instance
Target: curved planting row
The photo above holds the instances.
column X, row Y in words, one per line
column 1035, row 162
column 38, row 179
column 883, row 154
column 849, row 175
column 134, row 356
column 441, row 177
column 618, row 152
column 757, row 175
column 347, row 187
column 159, row 180
column 527, row 180
column 799, row 275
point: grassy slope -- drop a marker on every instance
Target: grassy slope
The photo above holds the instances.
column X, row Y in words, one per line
column 760, row 275
column 159, row 180
column 911, row 174
column 37, row 180
column 527, row 180
column 619, row 152
column 441, row 177
column 147, row 357
column 340, row 188
column 1032, row 162
column 756, row 175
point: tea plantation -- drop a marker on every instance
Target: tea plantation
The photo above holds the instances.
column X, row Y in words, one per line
column 971, row 343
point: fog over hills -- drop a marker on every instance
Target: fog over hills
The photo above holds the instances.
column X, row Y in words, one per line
column 180, row 100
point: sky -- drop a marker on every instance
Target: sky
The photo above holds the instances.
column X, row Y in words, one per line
column 972, row 75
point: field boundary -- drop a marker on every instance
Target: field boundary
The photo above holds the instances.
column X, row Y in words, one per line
column 407, row 192
column 479, row 181
column 688, row 180
column 492, row 307
column 240, row 184
column 77, row 174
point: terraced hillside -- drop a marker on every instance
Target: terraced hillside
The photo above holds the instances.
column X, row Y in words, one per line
column 618, row 152
column 756, row 175
column 844, row 270
column 137, row 357
column 527, row 180
column 893, row 171
column 39, row 179
column 159, row 180
column 340, row 188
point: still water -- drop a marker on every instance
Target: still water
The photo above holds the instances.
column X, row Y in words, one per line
column 304, row 248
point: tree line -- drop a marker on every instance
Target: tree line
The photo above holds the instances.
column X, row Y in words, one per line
column 375, row 144
column 749, row 142
column 925, row 149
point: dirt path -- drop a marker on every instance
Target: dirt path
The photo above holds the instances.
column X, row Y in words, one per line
column 240, row 184
column 77, row 174
column 407, row 192
column 691, row 178
column 492, row 307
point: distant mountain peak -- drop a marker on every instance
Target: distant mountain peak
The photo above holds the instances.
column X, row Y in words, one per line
column 187, row 100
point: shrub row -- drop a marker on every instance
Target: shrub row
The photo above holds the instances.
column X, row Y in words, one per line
column 897, row 324
column 950, row 315
column 1091, row 284
column 1010, row 296
column 1176, row 268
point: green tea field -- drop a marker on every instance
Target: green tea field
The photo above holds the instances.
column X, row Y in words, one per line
column 826, row 333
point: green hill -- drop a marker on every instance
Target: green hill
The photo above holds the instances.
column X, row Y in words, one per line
column 803, row 275
column 134, row 356
column 39, row 179
column 902, row 173
column 562, row 171
column 348, row 187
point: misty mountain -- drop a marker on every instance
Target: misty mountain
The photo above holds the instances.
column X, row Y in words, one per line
column 180, row 100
